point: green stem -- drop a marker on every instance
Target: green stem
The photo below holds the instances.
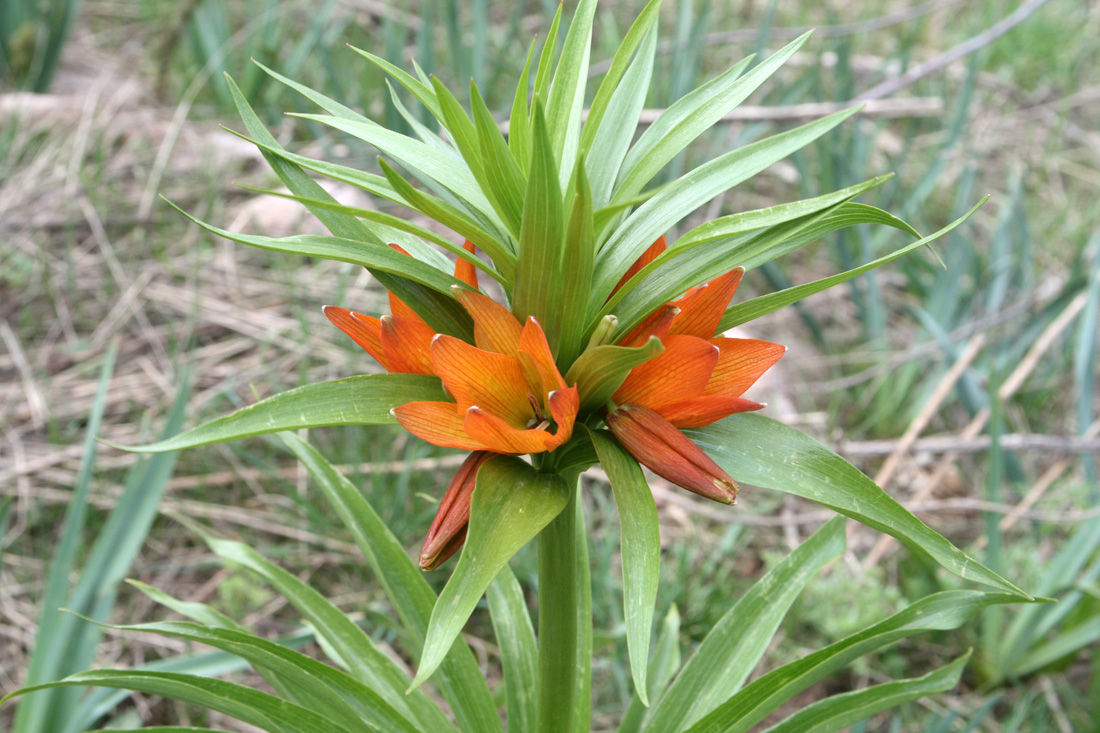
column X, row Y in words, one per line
column 558, row 622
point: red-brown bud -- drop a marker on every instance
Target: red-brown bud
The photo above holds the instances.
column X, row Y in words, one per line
column 448, row 530
column 660, row 446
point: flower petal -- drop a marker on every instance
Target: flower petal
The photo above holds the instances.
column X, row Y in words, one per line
column 659, row 446
column 399, row 307
column 535, row 357
column 439, row 423
column 495, row 328
column 500, row 437
column 742, row 362
column 695, row 412
column 564, row 405
column 465, row 271
column 680, row 372
column 364, row 330
column 654, row 251
column 491, row 381
column 702, row 308
column 407, row 344
column 657, row 324
column 448, row 529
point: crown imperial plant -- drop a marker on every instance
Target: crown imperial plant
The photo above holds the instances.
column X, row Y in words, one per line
column 557, row 330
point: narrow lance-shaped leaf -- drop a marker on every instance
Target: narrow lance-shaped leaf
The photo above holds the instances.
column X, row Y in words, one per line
column 519, row 122
column 763, row 696
column 678, row 199
column 641, row 29
column 757, row 307
column 511, row 504
column 544, row 73
column 840, row 711
column 538, row 284
column 518, row 649
column 458, row 677
column 641, row 551
column 769, row 454
column 420, row 90
column 563, row 106
column 693, row 114
column 664, row 664
column 735, row 644
column 578, row 252
column 362, row 400
column 503, row 177
column 253, row 707
column 365, row 661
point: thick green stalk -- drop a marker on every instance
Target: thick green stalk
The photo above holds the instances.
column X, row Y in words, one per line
column 558, row 621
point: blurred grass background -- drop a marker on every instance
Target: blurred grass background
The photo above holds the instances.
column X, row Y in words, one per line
column 969, row 390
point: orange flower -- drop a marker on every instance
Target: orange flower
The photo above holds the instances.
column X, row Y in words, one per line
column 448, row 530
column 698, row 379
column 400, row 342
column 508, row 391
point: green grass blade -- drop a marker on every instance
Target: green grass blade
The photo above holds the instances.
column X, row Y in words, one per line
column 769, row 454
column 641, row 551
column 1066, row 643
column 735, row 644
column 765, row 695
column 757, row 307
column 459, row 676
column 519, row 653
column 362, row 400
column 538, row 284
column 47, row 660
column 678, row 199
column 511, row 504
column 840, row 711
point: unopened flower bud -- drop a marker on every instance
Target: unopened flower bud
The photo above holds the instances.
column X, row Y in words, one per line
column 448, row 530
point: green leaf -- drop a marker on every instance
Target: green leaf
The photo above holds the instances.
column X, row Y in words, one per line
column 373, row 256
column 311, row 684
column 200, row 612
column 365, row 661
column 450, row 173
column 511, row 504
column 617, row 118
column 519, row 653
column 1066, row 642
column 678, row 199
column 544, row 72
column 423, row 253
column 538, row 284
column 439, row 310
column 253, row 707
column 601, row 370
column 420, row 90
column 769, row 454
column 563, row 107
column 578, row 251
column 362, row 400
column 693, row 114
column 735, row 644
column 519, row 122
column 765, row 695
column 499, row 252
column 48, row 658
column 840, row 711
column 458, row 677
column 664, row 664
column 641, row 551
column 502, row 177
column 757, row 307
column 643, row 29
